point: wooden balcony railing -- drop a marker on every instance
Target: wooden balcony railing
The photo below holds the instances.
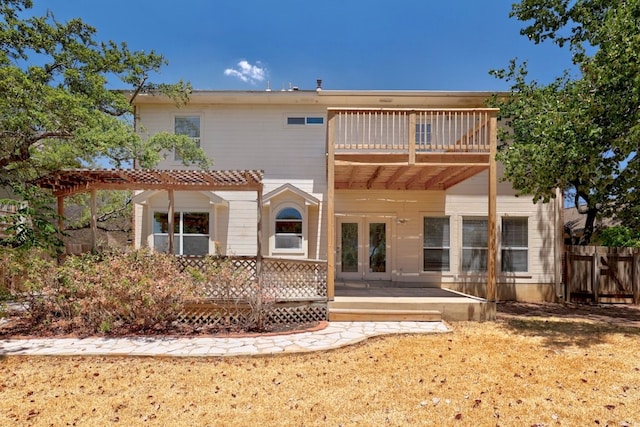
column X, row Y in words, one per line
column 401, row 130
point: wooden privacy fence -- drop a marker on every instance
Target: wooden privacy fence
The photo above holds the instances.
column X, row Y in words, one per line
column 293, row 291
column 603, row 274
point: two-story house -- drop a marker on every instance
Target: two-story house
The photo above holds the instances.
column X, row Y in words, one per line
column 393, row 189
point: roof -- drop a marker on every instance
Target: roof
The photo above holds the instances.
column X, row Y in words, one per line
column 331, row 98
column 70, row 181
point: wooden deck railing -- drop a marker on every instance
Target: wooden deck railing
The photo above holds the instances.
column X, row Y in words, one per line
column 295, row 291
column 395, row 130
column 287, row 279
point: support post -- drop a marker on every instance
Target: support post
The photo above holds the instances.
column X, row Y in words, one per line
column 60, row 206
column 412, row 138
column 259, row 237
column 61, row 215
column 170, row 220
column 635, row 276
column 492, row 229
column 94, row 221
column 331, row 232
column 595, row 276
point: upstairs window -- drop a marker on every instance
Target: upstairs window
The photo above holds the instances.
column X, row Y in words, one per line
column 436, row 244
column 288, row 229
column 474, row 244
column 189, row 126
column 515, row 245
column 423, row 134
column 305, row 120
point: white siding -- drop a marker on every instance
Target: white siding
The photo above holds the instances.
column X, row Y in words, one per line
column 244, row 137
column 239, row 136
column 407, row 209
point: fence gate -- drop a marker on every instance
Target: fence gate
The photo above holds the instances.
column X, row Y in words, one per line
column 602, row 274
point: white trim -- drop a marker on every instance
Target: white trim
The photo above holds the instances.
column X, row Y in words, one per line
column 424, row 215
column 304, row 211
column 214, row 199
column 309, row 200
column 144, row 196
column 501, row 246
column 211, row 211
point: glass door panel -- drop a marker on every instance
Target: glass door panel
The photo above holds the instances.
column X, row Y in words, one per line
column 363, row 248
column 349, row 247
column 377, row 247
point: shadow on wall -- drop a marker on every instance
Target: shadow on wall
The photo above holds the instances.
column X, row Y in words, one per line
column 547, row 248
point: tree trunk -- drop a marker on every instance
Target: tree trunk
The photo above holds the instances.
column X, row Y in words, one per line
column 588, row 226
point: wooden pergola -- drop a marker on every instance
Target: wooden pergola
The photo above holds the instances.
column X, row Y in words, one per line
column 66, row 183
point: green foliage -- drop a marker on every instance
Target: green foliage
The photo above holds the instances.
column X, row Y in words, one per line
column 30, row 224
column 56, row 111
column 618, row 236
column 578, row 134
column 22, row 270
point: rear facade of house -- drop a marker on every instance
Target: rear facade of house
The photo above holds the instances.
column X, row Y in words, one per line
column 394, row 189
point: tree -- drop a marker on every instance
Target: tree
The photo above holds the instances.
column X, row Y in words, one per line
column 579, row 134
column 56, row 110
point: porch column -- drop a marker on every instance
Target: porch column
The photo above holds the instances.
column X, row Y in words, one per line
column 60, row 206
column 61, row 215
column 492, row 229
column 412, row 138
column 259, row 236
column 170, row 220
column 331, row 232
column 94, row 221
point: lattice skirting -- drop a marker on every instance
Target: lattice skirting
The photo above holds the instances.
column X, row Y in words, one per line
column 234, row 315
column 281, row 278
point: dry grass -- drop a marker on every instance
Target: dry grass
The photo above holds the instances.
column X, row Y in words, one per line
column 517, row 371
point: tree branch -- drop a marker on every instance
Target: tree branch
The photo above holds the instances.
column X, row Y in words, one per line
column 22, row 153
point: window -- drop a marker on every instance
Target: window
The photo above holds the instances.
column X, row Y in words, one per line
column 436, row 244
column 191, row 232
column 305, row 120
column 189, row 126
column 515, row 244
column 474, row 244
column 423, row 133
column 289, row 229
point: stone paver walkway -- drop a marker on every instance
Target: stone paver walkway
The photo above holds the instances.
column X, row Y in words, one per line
column 334, row 335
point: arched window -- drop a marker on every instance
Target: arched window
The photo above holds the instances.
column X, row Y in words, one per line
column 289, row 229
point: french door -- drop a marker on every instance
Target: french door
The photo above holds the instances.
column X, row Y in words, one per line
column 363, row 249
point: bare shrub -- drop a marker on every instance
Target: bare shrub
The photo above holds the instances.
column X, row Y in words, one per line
column 138, row 290
column 243, row 300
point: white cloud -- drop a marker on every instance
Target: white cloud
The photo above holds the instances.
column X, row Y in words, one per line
column 247, row 73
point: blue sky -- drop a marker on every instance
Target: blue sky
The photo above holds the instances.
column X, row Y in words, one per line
column 350, row 45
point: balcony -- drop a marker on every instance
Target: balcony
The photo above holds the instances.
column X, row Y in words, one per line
column 409, row 149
